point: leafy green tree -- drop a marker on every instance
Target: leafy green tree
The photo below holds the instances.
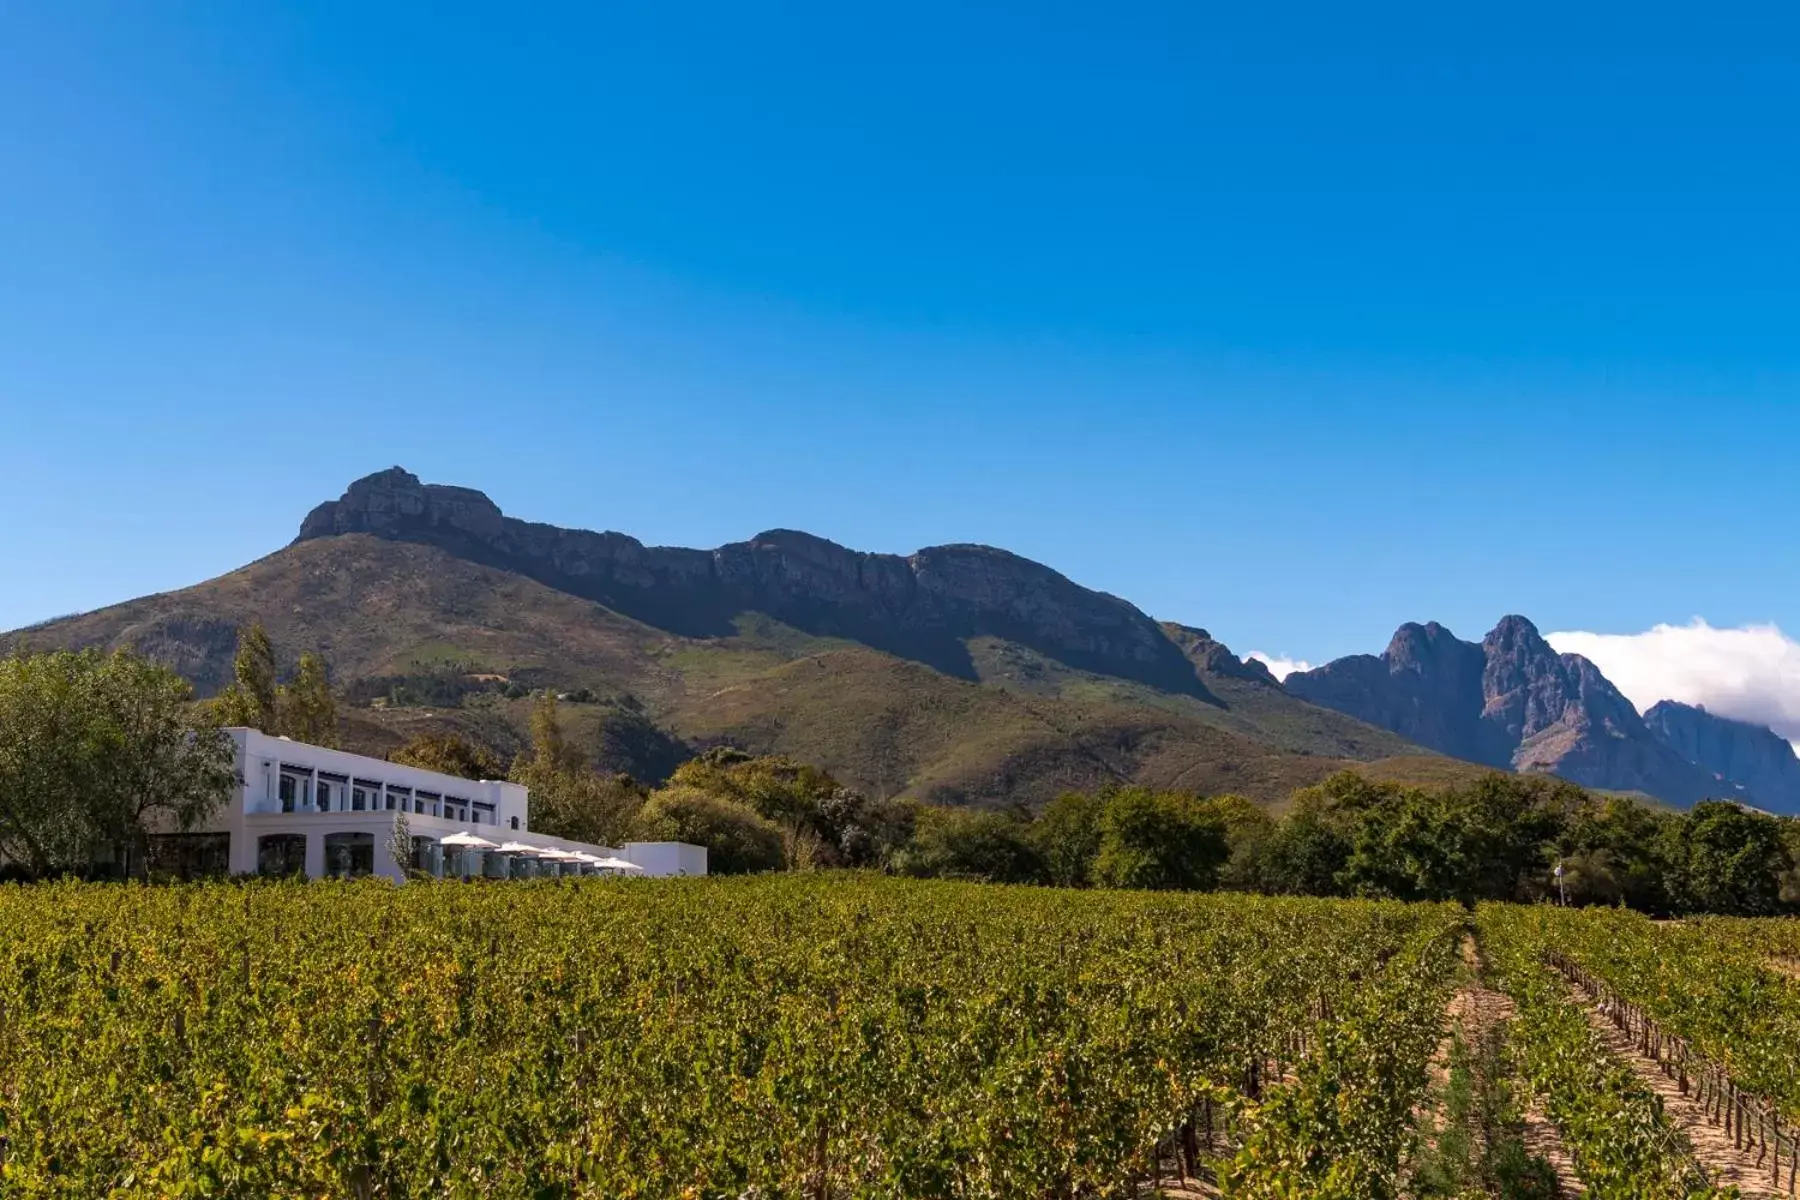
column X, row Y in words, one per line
column 1722, row 858
column 306, row 709
column 1067, row 836
column 823, row 823
column 449, row 754
column 864, row 832
column 586, row 806
column 1611, row 854
column 98, row 752
column 738, row 840
column 1487, row 840
column 251, row 698
column 1159, row 840
column 1248, row 829
column 959, row 843
column 1305, row 853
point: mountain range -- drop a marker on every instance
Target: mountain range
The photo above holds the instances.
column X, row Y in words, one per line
column 960, row 673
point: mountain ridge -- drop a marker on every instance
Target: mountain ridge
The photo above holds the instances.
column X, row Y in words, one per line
column 920, row 606
column 421, row 587
column 963, row 674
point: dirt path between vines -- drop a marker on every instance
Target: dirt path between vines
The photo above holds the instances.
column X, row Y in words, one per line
column 1481, row 1008
column 1712, row 1145
column 1783, row 965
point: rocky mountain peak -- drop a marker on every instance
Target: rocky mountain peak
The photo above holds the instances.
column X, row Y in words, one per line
column 389, row 502
column 1510, row 700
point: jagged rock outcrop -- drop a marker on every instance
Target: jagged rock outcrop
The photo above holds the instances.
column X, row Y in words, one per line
column 1754, row 757
column 921, row 606
column 1511, row 701
column 1215, row 657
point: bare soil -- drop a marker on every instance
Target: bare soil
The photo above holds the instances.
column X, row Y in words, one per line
column 1479, row 1009
column 1712, row 1145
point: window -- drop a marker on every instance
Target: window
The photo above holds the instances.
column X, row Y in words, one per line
column 188, row 855
column 289, row 790
column 515, row 822
column 428, row 803
column 400, row 798
column 427, row 856
column 483, row 814
column 359, row 797
column 333, row 793
column 348, row 855
column 281, row 854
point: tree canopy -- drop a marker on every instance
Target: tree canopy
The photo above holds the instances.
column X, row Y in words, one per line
column 97, row 752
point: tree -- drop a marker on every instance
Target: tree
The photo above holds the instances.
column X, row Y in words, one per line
column 956, row 843
column 97, row 752
column 549, row 749
column 823, row 823
column 1159, row 840
column 449, row 754
column 1611, row 854
column 567, row 798
column 1067, row 836
column 864, row 832
column 305, row 708
column 1723, row 858
column 250, row 699
column 584, row 806
column 737, row 839
column 1305, row 853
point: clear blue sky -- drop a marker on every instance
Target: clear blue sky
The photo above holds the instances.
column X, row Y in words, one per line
column 1294, row 322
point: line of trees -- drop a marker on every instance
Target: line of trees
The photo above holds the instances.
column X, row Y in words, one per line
column 1498, row 837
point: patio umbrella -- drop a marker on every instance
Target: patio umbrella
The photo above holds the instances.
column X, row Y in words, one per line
column 618, row 864
column 469, row 840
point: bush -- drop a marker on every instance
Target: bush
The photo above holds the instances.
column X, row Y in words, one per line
column 736, row 838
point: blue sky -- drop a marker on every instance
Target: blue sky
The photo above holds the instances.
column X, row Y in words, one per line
column 1294, row 322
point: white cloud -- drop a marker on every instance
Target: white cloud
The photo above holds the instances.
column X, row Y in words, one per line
column 1278, row 666
column 1752, row 673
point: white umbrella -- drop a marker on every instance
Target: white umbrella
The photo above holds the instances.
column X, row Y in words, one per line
column 618, row 864
column 518, row 848
column 469, row 840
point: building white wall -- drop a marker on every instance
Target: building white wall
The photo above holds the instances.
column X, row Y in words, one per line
column 255, row 810
column 666, row 858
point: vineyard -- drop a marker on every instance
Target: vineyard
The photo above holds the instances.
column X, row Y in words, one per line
column 844, row 1036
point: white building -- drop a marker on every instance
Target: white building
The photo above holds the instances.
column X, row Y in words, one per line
column 303, row 808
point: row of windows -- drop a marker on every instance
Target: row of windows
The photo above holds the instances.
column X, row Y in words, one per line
column 327, row 793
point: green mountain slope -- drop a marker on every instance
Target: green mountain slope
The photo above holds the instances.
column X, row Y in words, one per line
column 422, row 636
